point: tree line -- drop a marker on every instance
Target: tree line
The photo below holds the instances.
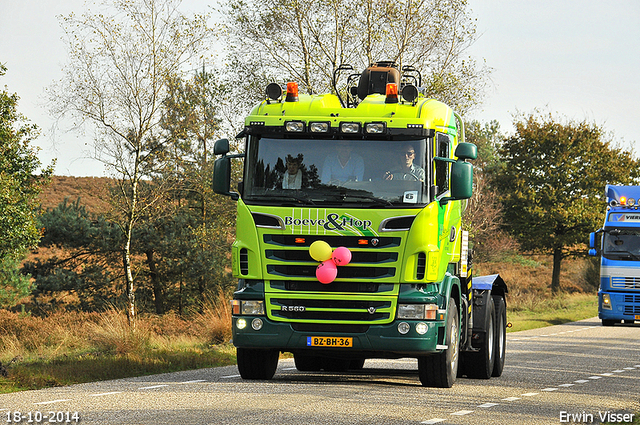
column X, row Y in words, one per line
column 164, row 243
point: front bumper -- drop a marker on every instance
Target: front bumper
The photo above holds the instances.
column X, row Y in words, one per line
column 624, row 306
column 377, row 339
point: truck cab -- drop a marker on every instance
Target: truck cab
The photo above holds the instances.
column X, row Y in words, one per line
column 381, row 171
column 619, row 250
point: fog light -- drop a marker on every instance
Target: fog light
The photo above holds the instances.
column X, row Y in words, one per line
column 256, row 324
column 403, row 327
column 422, row 328
column 241, row 323
column 606, row 302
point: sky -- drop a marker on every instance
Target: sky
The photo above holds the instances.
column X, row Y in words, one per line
column 577, row 59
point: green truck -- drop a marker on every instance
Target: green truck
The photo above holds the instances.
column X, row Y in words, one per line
column 349, row 241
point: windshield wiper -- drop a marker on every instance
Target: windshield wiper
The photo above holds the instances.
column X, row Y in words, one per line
column 624, row 253
column 375, row 199
column 281, row 197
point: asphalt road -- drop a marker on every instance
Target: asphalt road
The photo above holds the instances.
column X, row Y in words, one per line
column 571, row 373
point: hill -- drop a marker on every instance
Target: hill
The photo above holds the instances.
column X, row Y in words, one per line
column 92, row 192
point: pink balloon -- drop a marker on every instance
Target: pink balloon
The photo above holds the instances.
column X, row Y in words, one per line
column 326, row 271
column 341, row 256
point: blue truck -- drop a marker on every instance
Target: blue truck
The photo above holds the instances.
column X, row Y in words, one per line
column 619, row 249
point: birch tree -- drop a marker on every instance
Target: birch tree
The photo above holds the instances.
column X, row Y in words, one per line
column 120, row 57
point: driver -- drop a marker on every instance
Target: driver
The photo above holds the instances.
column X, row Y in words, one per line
column 407, row 169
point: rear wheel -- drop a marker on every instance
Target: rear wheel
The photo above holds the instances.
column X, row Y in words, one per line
column 257, row 364
column 480, row 364
column 440, row 370
column 500, row 336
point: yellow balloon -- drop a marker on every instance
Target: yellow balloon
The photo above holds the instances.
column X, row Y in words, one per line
column 320, row 251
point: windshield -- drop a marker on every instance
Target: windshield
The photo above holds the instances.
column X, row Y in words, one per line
column 336, row 172
column 622, row 244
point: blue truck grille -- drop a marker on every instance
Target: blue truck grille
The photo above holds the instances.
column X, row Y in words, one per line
column 625, row 282
column 632, row 304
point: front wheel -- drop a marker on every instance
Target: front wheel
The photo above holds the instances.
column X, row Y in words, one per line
column 257, row 364
column 440, row 370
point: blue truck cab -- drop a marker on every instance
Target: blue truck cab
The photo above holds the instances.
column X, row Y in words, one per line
column 619, row 249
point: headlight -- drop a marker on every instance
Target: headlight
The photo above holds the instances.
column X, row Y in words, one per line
column 417, row 311
column 606, row 302
column 249, row 307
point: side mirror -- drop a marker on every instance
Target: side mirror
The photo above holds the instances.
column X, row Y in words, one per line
column 592, row 240
column 221, row 147
column 466, row 150
column 461, row 179
column 222, row 177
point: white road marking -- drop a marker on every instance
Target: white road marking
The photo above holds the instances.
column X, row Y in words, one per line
column 511, row 398
column 53, row 401
column 433, row 421
column 195, row 381
column 618, row 371
column 549, row 389
column 566, row 385
column 529, row 394
column 153, row 387
column 101, row 394
column 606, row 374
column 595, row 377
column 581, row 381
column 461, row 412
column 229, row 376
column 487, row 405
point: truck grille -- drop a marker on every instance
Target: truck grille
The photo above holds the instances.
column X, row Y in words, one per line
column 625, row 282
column 293, row 294
column 371, row 309
column 632, row 304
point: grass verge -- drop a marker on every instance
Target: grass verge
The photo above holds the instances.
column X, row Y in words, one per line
column 563, row 308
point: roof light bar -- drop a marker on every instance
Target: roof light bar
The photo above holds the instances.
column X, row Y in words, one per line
column 294, row 126
column 350, row 127
column 319, row 127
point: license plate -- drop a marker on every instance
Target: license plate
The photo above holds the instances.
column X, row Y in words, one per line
column 637, row 316
column 329, row 341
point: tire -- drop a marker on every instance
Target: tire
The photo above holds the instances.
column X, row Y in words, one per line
column 500, row 339
column 631, row 322
column 307, row 363
column 257, row 364
column 607, row 322
column 441, row 369
column 479, row 365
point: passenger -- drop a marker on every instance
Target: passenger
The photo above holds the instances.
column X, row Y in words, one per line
column 292, row 178
column 342, row 166
column 407, row 169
